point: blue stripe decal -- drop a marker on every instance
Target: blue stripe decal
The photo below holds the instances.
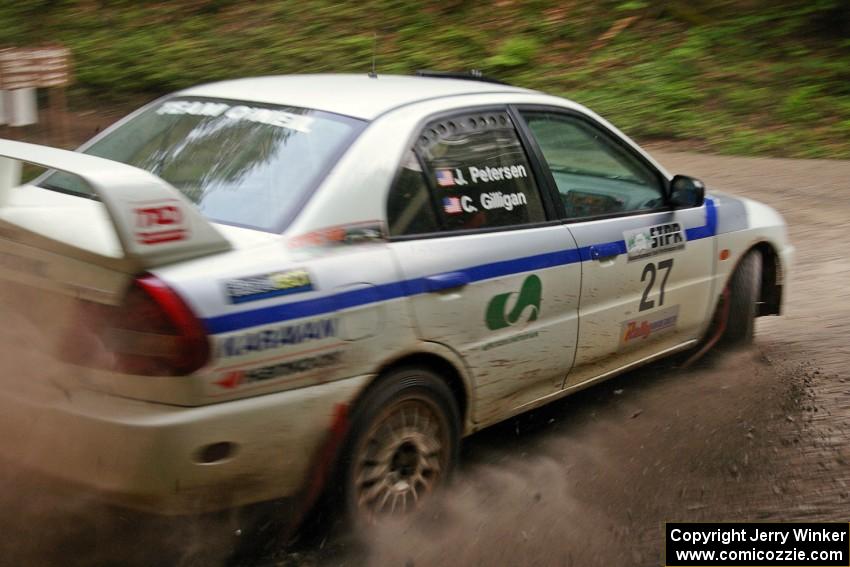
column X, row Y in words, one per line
column 378, row 293
column 618, row 245
column 407, row 288
column 710, row 227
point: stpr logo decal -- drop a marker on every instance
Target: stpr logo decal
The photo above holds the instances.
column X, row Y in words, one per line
column 653, row 240
column 527, row 302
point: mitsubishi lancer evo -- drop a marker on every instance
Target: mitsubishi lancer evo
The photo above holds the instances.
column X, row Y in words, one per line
column 250, row 290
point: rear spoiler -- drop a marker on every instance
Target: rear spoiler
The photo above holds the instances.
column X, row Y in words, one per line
column 154, row 223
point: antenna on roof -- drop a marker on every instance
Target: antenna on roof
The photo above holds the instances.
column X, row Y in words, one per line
column 373, row 73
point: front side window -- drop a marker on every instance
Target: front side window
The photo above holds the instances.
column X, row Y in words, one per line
column 594, row 175
column 478, row 174
column 241, row 163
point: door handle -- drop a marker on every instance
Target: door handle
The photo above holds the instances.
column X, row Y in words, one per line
column 603, row 251
column 448, row 280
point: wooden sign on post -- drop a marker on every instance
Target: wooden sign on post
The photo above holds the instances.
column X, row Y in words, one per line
column 40, row 67
column 37, row 68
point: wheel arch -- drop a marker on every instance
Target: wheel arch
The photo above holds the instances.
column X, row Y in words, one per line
column 770, row 293
column 772, row 277
column 330, row 457
column 442, row 361
column 771, row 287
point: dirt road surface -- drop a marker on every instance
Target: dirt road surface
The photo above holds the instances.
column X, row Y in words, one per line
column 762, row 434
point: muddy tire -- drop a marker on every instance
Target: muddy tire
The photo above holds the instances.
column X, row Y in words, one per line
column 403, row 444
column 743, row 300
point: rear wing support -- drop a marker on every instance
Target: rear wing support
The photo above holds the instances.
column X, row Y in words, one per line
column 10, row 176
column 154, row 223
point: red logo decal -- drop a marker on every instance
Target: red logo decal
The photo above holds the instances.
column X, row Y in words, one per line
column 160, row 222
column 231, row 379
column 633, row 331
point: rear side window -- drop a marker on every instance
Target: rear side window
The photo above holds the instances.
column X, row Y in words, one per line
column 410, row 209
column 477, row 174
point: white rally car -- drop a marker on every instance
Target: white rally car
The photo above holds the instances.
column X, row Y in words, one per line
column 248, row 287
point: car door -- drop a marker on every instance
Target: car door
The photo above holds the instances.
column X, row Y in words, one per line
column 487, row 270
column 646, row 268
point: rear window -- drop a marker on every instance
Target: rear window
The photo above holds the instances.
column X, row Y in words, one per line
column 241, row 163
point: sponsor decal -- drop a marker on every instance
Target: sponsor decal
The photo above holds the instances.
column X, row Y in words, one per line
column 510, row 340
column 231, row 379
column 279, row 336
column 527, row 302
column 355, row 234
column 269, row 116
column 264, row 286
column 643, row 242
column 279, row 370
column 158, row 222
column 368, row 231
column 649, row 325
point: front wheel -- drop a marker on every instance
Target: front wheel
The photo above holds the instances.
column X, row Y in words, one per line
column 404, row 440
column 744, row 289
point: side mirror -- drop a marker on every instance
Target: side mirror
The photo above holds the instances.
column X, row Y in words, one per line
column 686, row 192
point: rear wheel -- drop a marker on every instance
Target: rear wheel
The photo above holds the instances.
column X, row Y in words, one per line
column 403, row 445
column 743, row 300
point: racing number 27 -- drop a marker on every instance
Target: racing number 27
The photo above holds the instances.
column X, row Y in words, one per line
column 649, row 272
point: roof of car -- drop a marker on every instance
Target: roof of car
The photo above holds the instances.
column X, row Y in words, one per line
column 359, row 96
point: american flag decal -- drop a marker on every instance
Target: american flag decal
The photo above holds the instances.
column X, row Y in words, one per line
column 452, row 205
column 445, row 178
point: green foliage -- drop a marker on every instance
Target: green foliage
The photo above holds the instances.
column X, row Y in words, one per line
column 514, row 52
column 762, row 76
column 632, row 5
column 801, row 105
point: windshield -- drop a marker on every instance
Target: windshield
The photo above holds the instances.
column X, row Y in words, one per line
column 241, row 163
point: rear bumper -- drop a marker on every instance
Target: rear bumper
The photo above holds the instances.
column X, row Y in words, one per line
column 145, row 456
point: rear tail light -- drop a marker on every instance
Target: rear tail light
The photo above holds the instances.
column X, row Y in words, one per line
column 152, row 333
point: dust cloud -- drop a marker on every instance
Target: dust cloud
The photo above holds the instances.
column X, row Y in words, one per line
column 591, row 480
column 588, row 480
column 48, row 522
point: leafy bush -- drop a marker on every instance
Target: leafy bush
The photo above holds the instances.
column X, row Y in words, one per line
column 762, row 76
